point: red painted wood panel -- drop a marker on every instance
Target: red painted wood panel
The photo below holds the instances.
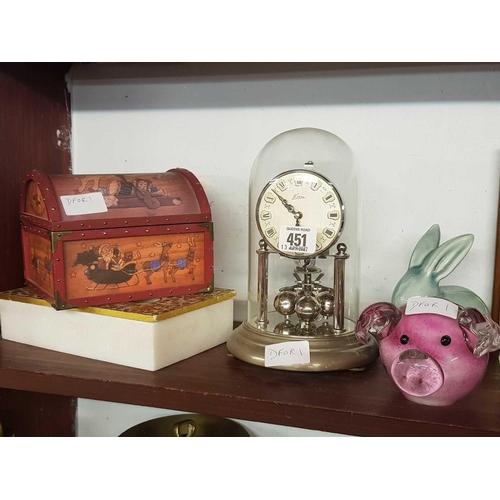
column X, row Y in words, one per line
column 34, row 134
column 32, row 414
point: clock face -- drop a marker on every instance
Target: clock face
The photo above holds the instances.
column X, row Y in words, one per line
column 300, row 213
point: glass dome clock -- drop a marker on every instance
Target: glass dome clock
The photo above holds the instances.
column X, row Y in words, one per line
column 303, row 289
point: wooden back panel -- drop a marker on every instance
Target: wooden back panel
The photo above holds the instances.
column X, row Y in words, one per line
column 34, row 133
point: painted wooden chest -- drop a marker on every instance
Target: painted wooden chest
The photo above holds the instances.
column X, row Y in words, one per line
column 100, row 239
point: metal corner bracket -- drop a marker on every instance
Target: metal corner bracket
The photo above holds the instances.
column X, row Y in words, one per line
column 56, row 237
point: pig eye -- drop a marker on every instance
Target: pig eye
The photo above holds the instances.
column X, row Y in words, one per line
column 445, row 340
column 404, row 339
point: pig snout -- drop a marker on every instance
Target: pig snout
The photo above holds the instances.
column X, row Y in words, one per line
column 417, row 373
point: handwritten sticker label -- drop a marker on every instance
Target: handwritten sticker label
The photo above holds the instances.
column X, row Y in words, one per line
column 431, row 305
column 83, row 204
column 287, row 353
column 298, row 239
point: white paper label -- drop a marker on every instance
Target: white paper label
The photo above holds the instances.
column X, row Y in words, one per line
column 298, row 239
column 431, row 305
column 82, row 204
column 287, row 353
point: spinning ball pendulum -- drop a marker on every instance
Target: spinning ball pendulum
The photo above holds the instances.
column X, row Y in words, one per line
column 307, row 309
column 327, row 309
column 285, row 303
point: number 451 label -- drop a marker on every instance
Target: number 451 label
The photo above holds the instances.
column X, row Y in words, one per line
column 298, row 239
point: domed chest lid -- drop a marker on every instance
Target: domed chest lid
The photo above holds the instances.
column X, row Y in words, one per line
column 67, row 202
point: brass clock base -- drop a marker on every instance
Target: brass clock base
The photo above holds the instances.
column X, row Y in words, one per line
column 327, row 353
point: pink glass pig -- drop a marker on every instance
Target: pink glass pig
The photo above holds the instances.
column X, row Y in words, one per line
column 433, row 359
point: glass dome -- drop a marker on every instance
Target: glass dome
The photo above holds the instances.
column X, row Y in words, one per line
column 326, row 154
column 303, row 248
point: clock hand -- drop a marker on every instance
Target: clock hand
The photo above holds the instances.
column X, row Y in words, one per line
column 290, row 208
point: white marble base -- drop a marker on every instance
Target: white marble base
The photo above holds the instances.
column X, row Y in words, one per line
column 139, row 344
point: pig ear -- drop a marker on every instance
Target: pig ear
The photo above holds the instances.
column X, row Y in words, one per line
column 486, row 331
column 378, row 320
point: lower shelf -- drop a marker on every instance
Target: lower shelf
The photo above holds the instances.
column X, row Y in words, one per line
column 214, row 383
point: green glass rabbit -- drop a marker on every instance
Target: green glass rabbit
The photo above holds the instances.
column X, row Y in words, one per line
column 429, row 264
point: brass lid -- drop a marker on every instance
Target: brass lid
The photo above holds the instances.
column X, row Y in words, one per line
column 150, row 311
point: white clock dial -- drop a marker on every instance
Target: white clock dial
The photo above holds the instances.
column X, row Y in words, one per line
column 295, row 205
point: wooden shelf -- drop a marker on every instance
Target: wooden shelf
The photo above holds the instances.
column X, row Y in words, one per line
column 213, row 383
column 248, row 70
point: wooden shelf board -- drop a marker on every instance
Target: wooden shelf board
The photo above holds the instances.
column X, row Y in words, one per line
column 214, row 383
column 249, row 70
